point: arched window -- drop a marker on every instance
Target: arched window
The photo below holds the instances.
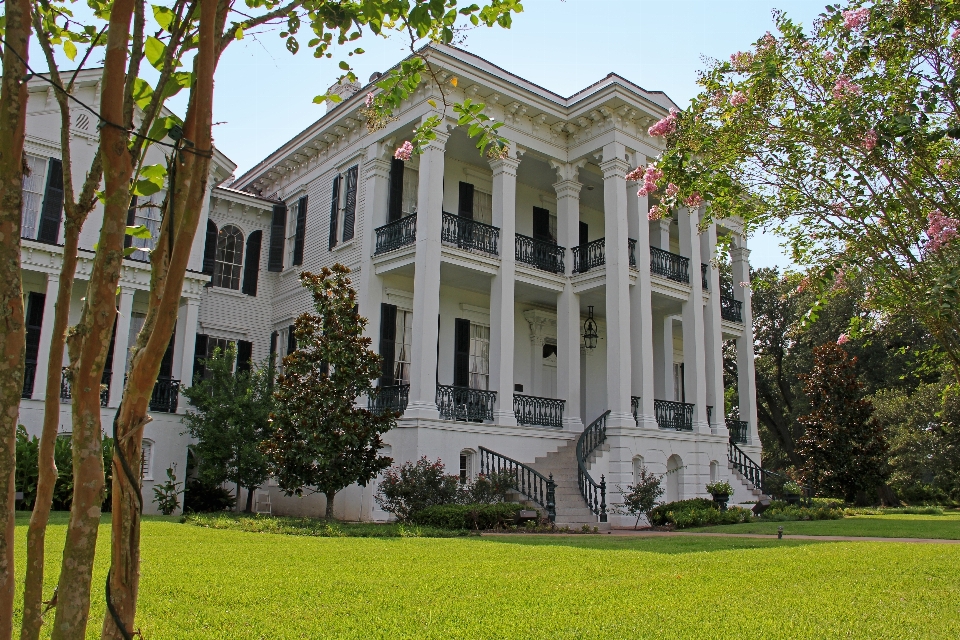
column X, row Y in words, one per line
column 466, row 466
column 226, row 272
column 637, row 466
column 714, row 471
column 146, row 459
column 674, row 488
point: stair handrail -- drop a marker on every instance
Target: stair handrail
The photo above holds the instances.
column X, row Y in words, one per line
column 757, row 475
column 594, row 494
column 526, row 480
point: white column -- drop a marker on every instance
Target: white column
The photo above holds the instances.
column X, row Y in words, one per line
column 713, row 338
column 536, row 321
column 641, row 309
column 376, row 172
column 663, row 237
column 568, row 302
column 120, row 351
column 668, row 358
column 502, row 320
column 426, row 281
column 190, row 318
column 695, row 383
column 746, row 379
column 615, row 168
column 46, row 336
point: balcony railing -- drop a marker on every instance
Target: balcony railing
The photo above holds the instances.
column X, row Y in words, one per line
column 632, row 248
column 66, row 393
column 590, row 255
column 29, row 376
column 389, row 398
column 673, row 415
column 731, row 309
column 468, row 234
column 166, row 392
column 635, row 408
column 738, row 430
column 540, row 412
column 465, row 404
column 669, row 265
column 704, row 279
column 547, row 256
column 399, row 233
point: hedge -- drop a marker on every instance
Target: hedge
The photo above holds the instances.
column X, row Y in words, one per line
column 468, row 516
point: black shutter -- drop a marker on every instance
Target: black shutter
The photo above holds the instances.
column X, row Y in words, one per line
column 395, row 211
column 301, row 231
column 583, row 233
column 166, row 365
column 34, row 320
column 278, row 228
column 200, row 357
column 251, row 268
column 273, row 344
column 541, row 225
column 350, row 203
column 108, row 367
column 244, row 355
column 52, row 209
column 334, row 210
column 210, row 249
column 461, row 353
column 131, row 220
column 388, row 342
column 465, row 208
column 291, row 341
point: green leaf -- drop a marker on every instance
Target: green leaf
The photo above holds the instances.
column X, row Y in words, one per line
column 154, row 50
column 70, row 49
column 140, row 232
column 163, row 16
column 142, row 92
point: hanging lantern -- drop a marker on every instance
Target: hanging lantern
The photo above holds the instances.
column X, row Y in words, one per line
column 590, row 330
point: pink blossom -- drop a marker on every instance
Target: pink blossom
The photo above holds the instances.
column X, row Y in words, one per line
column 869, row 140
column 404, row 151
column 837, row 208
column 855, row 18
column 829, row 56
column 768, row 40
column 955, row 34
column 843, row 339
column 741, row 60
column 804, row 285
column 369, row 101
column 664, row 127
column 694, row 200
column 636, row 175
column 656, row 212
column 844, row 88
column 650, row 177
column 738, row 98
column 672, row 190
column 940, row 230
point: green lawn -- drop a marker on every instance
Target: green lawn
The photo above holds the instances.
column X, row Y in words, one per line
column 209, row 583
column 944, row 527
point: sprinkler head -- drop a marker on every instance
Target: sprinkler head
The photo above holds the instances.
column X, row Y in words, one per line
column 780, row 533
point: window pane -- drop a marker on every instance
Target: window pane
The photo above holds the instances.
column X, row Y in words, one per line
column 482, row 207
column 404, row 343
column 229, row 258
column 32, row 195
column 411, row 184
column 479, row 356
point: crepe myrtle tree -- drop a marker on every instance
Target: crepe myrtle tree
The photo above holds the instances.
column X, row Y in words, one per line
column 321, row 440
column 843, row 138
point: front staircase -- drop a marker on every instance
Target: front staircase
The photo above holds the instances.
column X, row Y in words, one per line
column 572, row 510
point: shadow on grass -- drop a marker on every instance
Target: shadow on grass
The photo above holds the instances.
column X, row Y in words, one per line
column 649, row 544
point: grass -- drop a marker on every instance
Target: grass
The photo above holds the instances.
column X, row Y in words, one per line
column 942, row 527
column 211, row 583
column 315, row 527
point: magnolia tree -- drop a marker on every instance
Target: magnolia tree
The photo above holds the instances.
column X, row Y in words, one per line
column 844, row 139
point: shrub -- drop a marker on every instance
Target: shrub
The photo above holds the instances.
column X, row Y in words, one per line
column 641, row 497
column 721, row 487
column 468, row 516
column 780, row 511
column 167, row 494
column 414, row 486
column 200, row 497
column 487, row 488
column 698, row 512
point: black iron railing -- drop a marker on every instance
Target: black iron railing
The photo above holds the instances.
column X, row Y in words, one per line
column 29, row 377
column 669, row 265
column 66, row 393
column 767, row 482
column 526, row 480
column 166, row 393
column 593, row 493
column 704, row 279
column 738, row 430
column 635, row 408
column 709, row 414
column 389, row 398
column 465, row 404
column 590, row 255
column 541, row 254
column 673, row 415
column 632, row 249
column 731, row 309
column 534, row 411
column 465, row 233
column 397, row 234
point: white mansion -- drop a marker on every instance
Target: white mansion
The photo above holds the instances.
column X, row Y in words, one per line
column 527, row 312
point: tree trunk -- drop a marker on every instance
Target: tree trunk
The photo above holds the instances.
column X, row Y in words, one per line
column 90, row 339
column 13, row 103
column 329, row 512
column 168, row 267
column 249, row 508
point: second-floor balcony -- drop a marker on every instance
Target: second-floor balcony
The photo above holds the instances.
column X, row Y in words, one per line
column 738, row 430
column 669, row 265
column 398, row 233
column 464, row 233
column 731, row 309
column 66, row 392
column 704, row 279
column 542, row 412
column 590, row 255
column 465, row 404
column 541, row 254
column 673, row 415
column 389, row 398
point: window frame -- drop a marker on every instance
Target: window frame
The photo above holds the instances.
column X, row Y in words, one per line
column 235, row 275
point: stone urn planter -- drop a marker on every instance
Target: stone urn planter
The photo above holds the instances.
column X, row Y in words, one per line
column 721, row 499
column 720, row 491
column 792, row 499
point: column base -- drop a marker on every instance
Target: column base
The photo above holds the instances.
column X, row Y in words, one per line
column 425, row 410
column 573, row 424
column 505, row 418
column 647, row 422
column 616, row 419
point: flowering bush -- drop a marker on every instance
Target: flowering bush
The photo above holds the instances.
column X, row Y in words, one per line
column 640, row 497
column 698, row 512
column 940, row 231
column 721, row 488
column 414, row 486
column 404, row 152
column 666, row 126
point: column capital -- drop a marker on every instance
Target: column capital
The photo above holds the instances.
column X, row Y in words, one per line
column 567, row 188
column 739, row 254
column 567, row 171
column 665, row 224
column 442, row 131
column 376, row 167
column 614, row 168
column 504, row 166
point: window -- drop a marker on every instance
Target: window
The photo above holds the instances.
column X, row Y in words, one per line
column 679, row 392
column 466, row 466
column 637, row 467
column 411, row 185
column 226, row 272
column 146, row 213
column 33, row 185
column 404, row 345
column 222, row 344
column 479, row 356
column 482, row 207
column 136, row 324
column 714, row 471
column 146, row 459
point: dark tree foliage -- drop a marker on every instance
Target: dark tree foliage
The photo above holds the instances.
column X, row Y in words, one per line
column 843, row 449
column 321, row 439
